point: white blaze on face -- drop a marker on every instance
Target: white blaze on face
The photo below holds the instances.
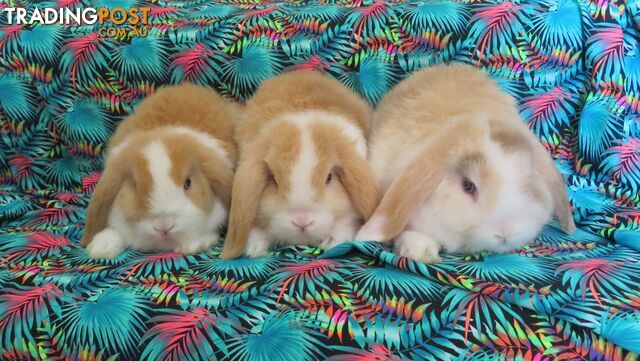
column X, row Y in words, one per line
column 348, row 129
column 302, row 192
column 166, row 195
column 207, row 141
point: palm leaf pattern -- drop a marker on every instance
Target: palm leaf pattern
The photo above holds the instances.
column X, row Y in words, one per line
column 181, row 335
column 573, row 67
column 38, row 42
column 113, row 319
column 142, row 58
column 17, row 98
column 288, row 336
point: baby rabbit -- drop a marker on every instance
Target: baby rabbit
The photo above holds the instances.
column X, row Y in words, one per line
column 302, row 176
column 461, row 170
column 167, row 177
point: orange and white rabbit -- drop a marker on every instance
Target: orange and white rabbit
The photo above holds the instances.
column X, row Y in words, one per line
column 303, row 176
column 460, row 169
column 167, row 177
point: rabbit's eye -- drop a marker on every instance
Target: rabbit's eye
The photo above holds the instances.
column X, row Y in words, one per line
column 468, row 187
column 329, row 177
column 187, row 184
column 271, row 179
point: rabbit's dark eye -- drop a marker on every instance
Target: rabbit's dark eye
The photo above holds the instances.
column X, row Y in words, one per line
column 271, row 179
column 187, row 184
column 469, row 187
column 329, row 177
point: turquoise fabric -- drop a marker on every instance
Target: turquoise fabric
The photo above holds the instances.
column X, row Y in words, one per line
column 573, row 66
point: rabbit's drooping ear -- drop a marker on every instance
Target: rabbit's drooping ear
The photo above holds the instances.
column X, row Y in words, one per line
column 248, row 184
column 543, row 163
column 103, row 197
column 420, row 178
column 220, row 177
column 359, row 180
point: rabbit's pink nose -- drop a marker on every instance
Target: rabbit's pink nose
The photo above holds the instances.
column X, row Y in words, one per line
column 164, row 227
column 302, row 221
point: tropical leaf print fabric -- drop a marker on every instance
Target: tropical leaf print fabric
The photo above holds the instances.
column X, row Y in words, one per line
column 573, row 66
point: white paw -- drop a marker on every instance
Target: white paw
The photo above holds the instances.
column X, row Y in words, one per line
column 366, row 236
column 107, row 244
column 417, row 246
column 346, row 234
column 258, row 244
column 372, row 230
column 197, row 244
column 327, row 244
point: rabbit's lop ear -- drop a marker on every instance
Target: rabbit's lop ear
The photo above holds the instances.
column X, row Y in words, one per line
column 359, row 180
column 218, row 174
column 550, row 174
column 418, row 180
column 248, row 184
column 104, row 195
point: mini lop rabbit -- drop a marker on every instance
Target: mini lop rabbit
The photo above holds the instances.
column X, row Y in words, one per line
column 303, row 176
column 167, row 177
column 461, row 170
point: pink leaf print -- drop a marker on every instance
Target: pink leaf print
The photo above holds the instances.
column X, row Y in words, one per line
column 543, row 106
column 28, row 305
column 496, row 18
column 179, row 332
column 193, row 61
column 10, row 32
column 305, row 271
column 82, row 48
column 22, row 164
column 39, row 244
column 611, row 46
column 89, row 182
column 593, row 270
column 629, row 155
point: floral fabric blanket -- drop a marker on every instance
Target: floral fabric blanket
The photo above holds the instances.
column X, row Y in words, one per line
column 573, row 66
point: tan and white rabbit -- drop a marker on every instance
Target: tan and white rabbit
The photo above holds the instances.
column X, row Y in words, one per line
column 303, row 176
column 461, row 170
column 167, row 177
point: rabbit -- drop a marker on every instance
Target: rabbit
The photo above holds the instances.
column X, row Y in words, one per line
column 303, row 176
column 459, row 168
column 168, row 175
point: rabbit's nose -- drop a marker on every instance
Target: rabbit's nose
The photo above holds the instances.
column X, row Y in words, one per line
column 164, row 227
column 302, row 220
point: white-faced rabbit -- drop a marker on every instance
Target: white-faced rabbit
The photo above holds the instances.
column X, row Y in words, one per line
column 303, row 176
column 167, row 177
column 461, row 170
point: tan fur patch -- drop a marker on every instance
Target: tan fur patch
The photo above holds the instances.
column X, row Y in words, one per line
column 186, row 105
column 300, row 91
column 143, row 181
column 516, row 137
column 284, row 150
column 325, row 141
column 337, row 152
column 103, row 197
column 555, row 183
column 509, row 139
column 249, row 181
column 185, row 163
